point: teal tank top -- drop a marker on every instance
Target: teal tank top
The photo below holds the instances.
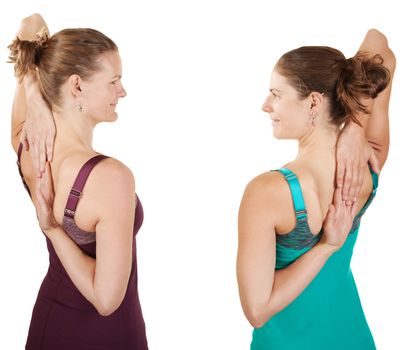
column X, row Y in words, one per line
column 328, row 314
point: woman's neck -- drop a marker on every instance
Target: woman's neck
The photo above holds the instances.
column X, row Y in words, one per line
column 318, row 146
column 74, row 133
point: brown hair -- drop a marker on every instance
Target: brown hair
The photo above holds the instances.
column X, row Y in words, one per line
column 56, row 58
column 344, row 81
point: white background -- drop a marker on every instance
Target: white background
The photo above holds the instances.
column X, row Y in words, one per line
column 192, row 131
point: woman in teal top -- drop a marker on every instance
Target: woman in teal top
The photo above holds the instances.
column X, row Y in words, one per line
column 295, row 282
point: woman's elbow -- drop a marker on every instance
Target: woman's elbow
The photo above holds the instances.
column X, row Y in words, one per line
column 256, row 323
column 258, row 318
column 107, row 307
column 377, row 39
column 106, row 310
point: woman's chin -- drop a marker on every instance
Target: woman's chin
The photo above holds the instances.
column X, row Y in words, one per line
column 276, row 135
column 112, row 117
column 279, row 136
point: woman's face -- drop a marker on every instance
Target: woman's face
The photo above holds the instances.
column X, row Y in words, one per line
column 288, row 112
column 103, row 90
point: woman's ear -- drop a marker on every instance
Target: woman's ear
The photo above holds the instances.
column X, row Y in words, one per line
column 315, row 100
column 75, row 83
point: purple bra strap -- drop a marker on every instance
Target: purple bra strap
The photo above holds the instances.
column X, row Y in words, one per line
column 78, row 185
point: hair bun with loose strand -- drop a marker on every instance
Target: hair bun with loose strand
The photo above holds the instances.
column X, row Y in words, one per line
column 26, row 54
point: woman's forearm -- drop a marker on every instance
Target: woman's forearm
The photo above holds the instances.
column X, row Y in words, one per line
column 33, row 95
column 27, row 93
column 291, row 281
column 375, row 124
column 80, row 267
column 27, row 90
column 354, row 128
column 82, row 270
column 18, row 112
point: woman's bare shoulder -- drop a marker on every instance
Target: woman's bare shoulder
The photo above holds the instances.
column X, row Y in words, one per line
column 108, row 173
column 265, row 200
column 110, row 186
column 269, row 187
column 113, row 172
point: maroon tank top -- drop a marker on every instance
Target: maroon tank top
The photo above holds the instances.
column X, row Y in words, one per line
column 62, row 318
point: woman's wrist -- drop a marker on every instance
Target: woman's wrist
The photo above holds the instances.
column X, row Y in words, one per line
column 30, row 84
column 326, row 248
column 362, row 118
column 33, row 93
column 355, row 129
column 53, row 231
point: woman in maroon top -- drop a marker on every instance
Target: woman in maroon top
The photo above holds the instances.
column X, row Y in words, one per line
column 85, row 202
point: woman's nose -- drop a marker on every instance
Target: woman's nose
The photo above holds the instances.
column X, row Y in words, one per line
column 267, row 106
column 122, row 92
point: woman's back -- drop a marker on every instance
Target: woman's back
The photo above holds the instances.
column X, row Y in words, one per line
column 65, row 168
column 62, row 317
column 317, row 184
column 318, row 317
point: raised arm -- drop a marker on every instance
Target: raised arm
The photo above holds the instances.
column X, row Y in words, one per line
column 369, row 142
column 32, row 120
column 263, row 291
column 102, row 281
column 377, row 127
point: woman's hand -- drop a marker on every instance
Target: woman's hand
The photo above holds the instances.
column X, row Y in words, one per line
column 44, row 199
column 38, row 132
column 353, row 153
column 338, row 221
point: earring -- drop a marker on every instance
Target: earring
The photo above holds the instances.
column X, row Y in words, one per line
column 313, row 118
column 80, row 108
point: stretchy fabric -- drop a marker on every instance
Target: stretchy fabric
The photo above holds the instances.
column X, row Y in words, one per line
column 62, row 319
column 328, row 313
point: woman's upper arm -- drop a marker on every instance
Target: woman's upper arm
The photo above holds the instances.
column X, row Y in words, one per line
column 18, row 114
column 115, row 211
column 377, row 131
column 256, row 249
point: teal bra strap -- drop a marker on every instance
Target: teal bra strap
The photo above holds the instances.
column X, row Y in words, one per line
column 375, row 180
column 295, row 188
column 296, row 192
